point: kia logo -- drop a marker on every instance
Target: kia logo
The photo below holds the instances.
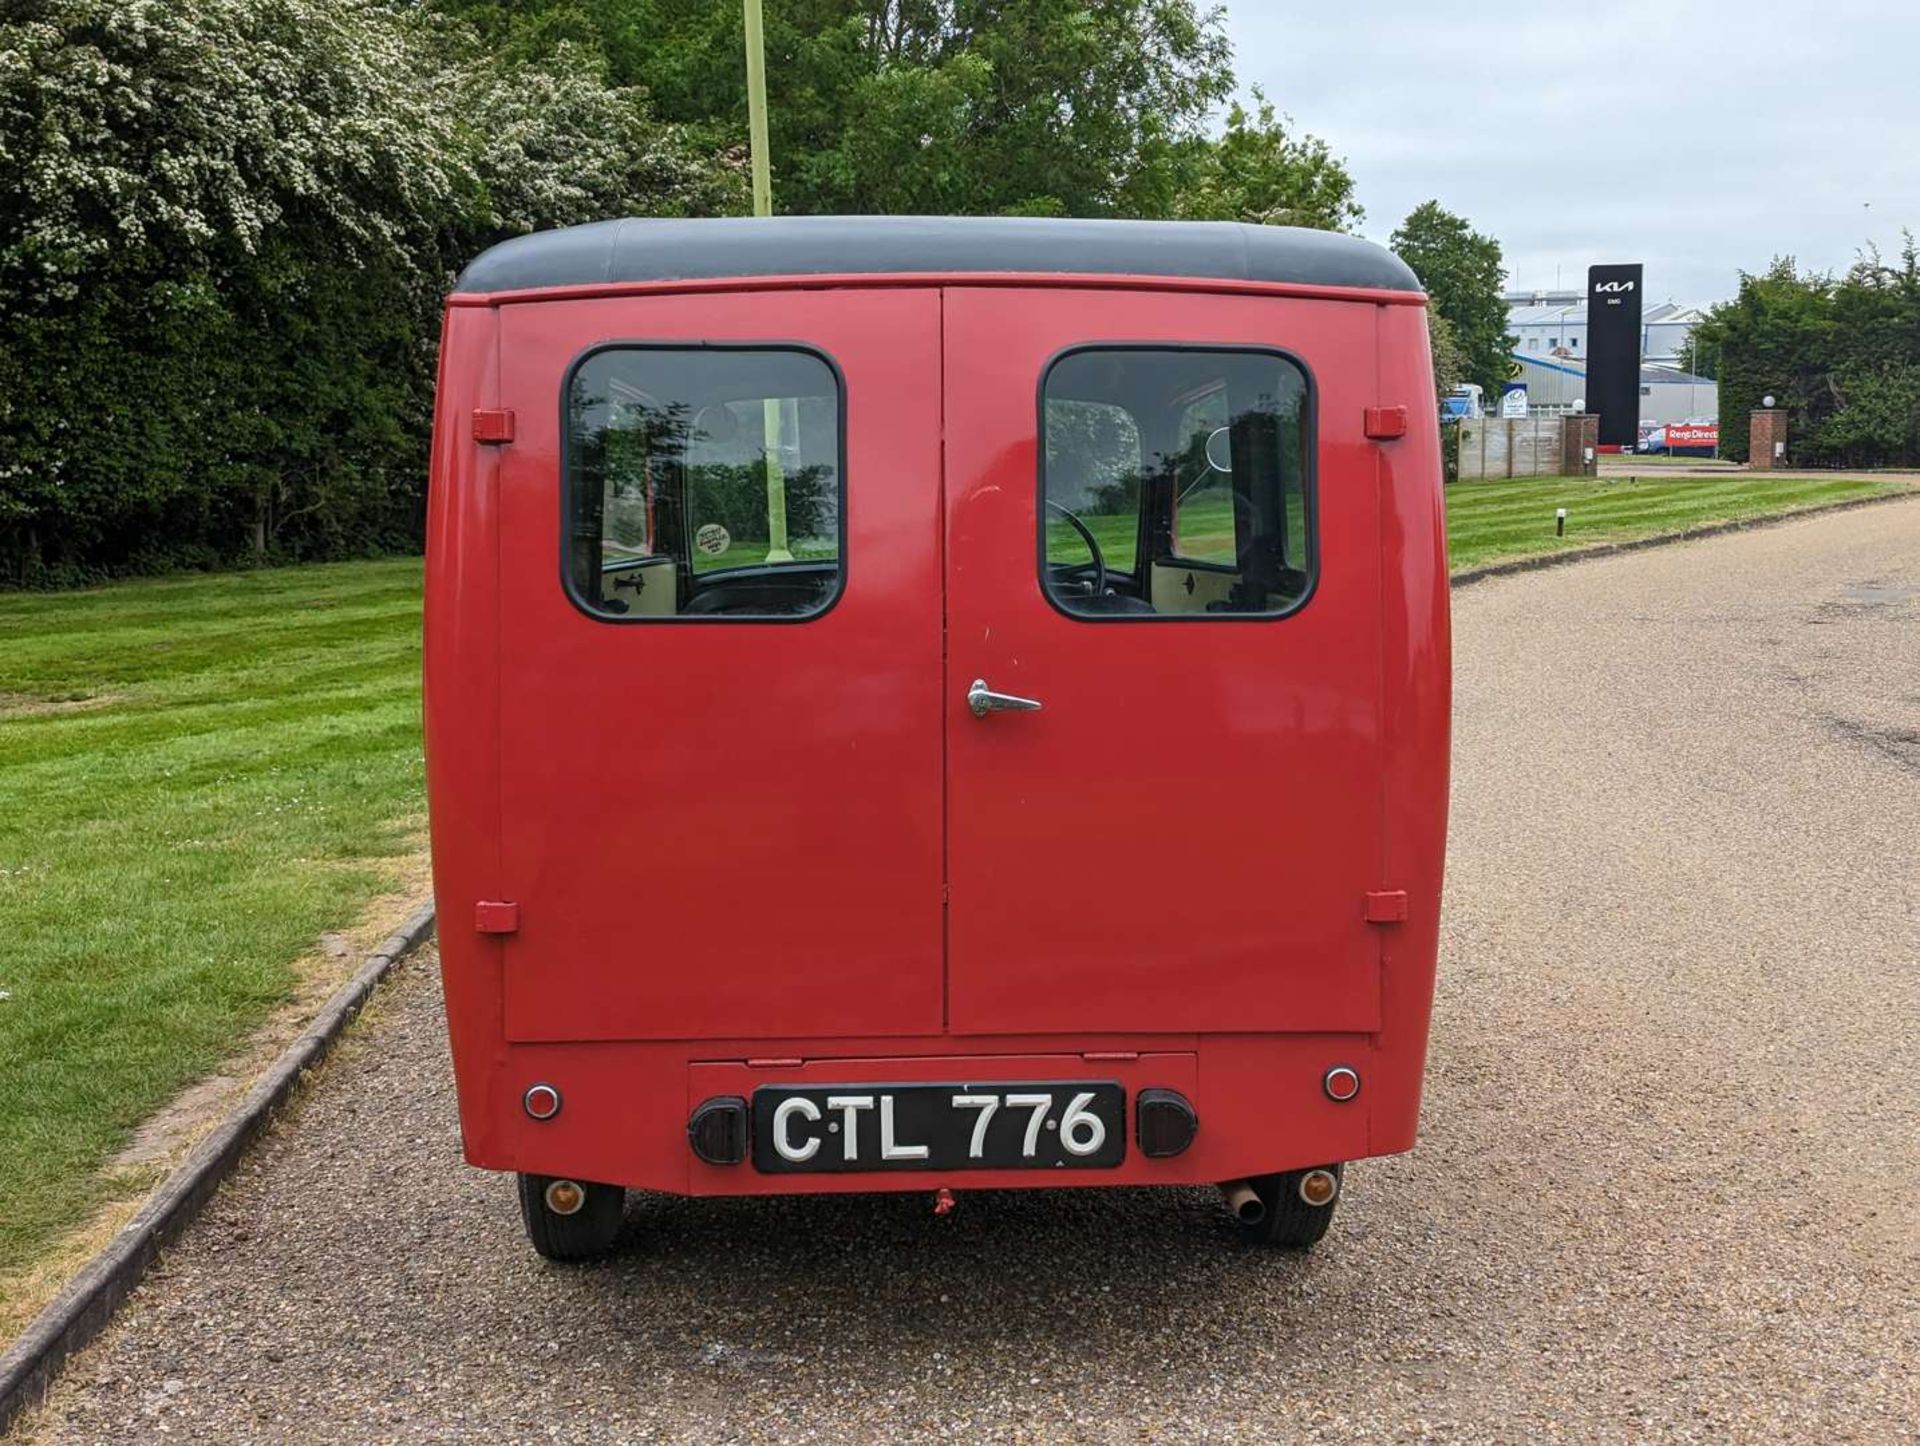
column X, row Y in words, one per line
column 1613, row 286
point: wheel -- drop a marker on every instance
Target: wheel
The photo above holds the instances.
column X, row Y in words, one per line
column 587, row 1232
column 1289, row 1222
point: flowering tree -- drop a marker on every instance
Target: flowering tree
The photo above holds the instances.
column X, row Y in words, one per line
column 224, row 231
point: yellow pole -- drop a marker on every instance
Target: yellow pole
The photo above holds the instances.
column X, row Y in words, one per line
column 763, row 206
column 777, row 550
column 757, row 110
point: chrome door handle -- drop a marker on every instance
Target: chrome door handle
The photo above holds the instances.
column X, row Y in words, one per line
column 983, row 700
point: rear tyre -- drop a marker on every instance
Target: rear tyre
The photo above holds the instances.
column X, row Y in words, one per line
column 590, row 1231
column 1290, row 1223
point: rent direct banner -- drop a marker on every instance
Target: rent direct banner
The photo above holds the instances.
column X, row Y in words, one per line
column 1705, row 437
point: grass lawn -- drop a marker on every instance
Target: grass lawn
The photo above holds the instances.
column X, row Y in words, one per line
column 1640, row 461
column 200, row 775
column 1487, row 521
column 1205, row 534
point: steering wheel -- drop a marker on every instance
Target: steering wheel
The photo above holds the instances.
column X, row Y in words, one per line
column 1093, row 547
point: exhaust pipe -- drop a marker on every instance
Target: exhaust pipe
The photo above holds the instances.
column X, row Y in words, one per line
column 1247, row 1207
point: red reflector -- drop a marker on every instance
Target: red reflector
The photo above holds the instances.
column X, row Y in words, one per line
column 1386, row 906
column 492, row 424
column 1386, row 423
column 490, row 916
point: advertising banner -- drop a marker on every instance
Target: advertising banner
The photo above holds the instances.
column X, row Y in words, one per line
column 1613, row 351
column 1693, row 436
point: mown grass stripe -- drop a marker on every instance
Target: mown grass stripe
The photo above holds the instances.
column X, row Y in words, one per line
column 242, row 774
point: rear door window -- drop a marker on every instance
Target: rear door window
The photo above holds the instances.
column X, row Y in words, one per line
column 1177, row 482
column 704, row 483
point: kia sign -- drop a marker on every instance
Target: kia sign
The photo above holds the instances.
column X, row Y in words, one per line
column 1693, row 437
column 1613, row 352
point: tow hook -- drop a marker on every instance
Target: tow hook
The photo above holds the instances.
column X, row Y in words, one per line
column 942, row 1201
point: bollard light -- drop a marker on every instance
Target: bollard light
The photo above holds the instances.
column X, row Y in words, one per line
column 1559, row 522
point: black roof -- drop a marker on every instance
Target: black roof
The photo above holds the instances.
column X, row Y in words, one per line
column 648, row 250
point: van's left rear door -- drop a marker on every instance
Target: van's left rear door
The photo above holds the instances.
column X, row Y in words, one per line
column 715, row 825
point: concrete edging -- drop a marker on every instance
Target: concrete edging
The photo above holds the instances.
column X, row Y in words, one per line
column 83, row 1309
column 1466, row 577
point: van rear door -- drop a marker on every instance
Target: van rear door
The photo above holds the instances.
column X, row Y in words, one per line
column 1184, row 833
column 720, row 643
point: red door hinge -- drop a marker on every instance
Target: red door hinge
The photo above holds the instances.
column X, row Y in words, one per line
column 493, row 424
column 1387, row 906
column 490, row 916
column 1386, row 423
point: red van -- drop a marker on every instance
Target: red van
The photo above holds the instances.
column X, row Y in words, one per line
column 917, row 704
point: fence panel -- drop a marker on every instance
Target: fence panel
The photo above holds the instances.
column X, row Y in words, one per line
column 1509, row 447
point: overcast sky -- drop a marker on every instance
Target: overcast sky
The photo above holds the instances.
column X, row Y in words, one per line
column 1702, row 137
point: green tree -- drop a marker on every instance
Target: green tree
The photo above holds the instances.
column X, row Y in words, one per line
column 1843, row 358
column 225, row 230
column 1465, row 275
column 1043, row 107
column 1772, row 339
column 226, row 226
column 1256, row 170
column 1449, row 365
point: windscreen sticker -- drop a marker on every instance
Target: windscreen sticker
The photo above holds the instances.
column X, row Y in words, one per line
column 713, row 539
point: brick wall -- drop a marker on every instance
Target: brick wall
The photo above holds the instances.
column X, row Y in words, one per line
column 1580, row 446
column 1769, row 426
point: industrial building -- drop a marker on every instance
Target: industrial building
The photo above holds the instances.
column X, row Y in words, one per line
column 1546, row 322
column 1558, row 384
column 1549, row 357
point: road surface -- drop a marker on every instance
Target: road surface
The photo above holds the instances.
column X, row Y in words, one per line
column 1669, row 1184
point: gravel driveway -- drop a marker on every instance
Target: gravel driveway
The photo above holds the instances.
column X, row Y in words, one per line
column 1669, row 1184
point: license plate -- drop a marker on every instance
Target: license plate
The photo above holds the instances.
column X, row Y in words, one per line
column 1061, row 1125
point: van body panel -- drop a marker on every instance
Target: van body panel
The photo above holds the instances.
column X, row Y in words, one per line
column 461, row 707
column 1257, row 1095
column 727, row 827
column 1417, row 690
